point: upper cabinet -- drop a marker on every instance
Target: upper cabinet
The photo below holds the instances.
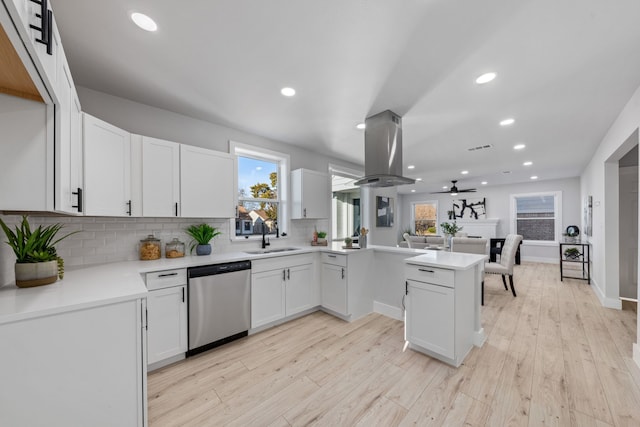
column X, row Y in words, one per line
column 107, row 168
column 160, row 177
column 206, row 178
column 310, row 194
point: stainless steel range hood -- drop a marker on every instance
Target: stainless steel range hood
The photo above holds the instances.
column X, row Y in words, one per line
column 383, row 151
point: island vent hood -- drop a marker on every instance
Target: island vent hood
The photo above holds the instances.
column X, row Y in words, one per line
column 383, row 151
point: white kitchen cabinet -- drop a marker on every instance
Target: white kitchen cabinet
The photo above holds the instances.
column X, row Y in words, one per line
column 167, row 334
column 310, row 194
column 69, row 164
column 160, row 177
column 439, row 319
column 282, row 287
column 77, row 368
column 206, row 183
column 345, row 288
column 107, row 168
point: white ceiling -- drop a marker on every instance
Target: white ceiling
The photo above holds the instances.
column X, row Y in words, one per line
column 565, row 70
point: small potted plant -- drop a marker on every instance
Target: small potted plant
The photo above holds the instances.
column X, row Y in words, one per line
column 37, row 262
column 348, row 242
column 449, row 229
column 322, row 237
column 202, row 235
column 572, row 253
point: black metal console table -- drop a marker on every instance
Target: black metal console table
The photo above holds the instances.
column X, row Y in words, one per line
column 581, row 258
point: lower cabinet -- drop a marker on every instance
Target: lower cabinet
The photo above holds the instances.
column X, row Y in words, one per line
column 334, row 288
column 78, row 368
column 282, row 287
column 167, row 317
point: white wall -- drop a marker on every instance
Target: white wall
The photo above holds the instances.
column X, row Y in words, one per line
column 498, row 206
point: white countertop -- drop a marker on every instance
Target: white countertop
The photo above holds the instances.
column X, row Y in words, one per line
column 122, row 281
column 445, row 259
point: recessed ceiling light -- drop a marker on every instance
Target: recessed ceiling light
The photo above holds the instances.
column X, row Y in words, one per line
column 288, row 91
column 534, row 177
column 418, row 179
column 484, row 183
column 144, row 22
column 464, row 172
column 507, row 122
column 485, row 78
column 413, row 191
column 361, row 126
column 519, row 146
column 527, row 163
column 411, row 167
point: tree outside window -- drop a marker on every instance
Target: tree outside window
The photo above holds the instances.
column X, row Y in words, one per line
column 425, row 218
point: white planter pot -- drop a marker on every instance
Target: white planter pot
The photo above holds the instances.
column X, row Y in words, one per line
column 36, row 273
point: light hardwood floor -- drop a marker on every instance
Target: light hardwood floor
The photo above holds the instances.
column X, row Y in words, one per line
column 554, row 356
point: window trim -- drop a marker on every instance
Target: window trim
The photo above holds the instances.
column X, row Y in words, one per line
column 413, row 214
column 557, row 195
column 245, row 150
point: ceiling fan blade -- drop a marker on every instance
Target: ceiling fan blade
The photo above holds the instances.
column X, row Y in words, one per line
column 441, row 192
column 470, row 190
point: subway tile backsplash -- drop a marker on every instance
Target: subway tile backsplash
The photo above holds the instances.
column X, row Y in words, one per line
column 102, row 239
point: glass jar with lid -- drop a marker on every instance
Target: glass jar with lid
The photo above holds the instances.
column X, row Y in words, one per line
column 150, row 248
column 174, row 249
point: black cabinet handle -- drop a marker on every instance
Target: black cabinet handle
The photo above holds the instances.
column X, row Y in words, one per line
column 343, row 273
column 176, row 208
column 305, row 213
column 168, row 274
column 288, row 274
column 284, row 274
column 79, row 194
column 183, row 294
column 406, row 287
column 129, row 208
column 425, row 270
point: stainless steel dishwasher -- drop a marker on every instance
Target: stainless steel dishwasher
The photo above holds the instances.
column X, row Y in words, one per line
column 219, row 304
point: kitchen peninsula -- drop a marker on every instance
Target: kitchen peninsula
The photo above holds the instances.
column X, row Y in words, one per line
column 92, row 325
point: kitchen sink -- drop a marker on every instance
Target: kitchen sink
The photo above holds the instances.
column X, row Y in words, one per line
column 271, row 251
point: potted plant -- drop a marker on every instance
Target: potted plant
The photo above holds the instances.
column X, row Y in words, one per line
column 572, row 253
column 37, row 262
column 449, row 229
column 348, row 242
column 322, row 237
column 202, row 235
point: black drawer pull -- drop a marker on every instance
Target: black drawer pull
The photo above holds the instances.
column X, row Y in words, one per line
column 331, row 256
column 167, row 274
column 79, row 194
column 425, row 270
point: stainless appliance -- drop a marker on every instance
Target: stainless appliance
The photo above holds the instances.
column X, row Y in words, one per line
column 219, row 304
column 383, row 151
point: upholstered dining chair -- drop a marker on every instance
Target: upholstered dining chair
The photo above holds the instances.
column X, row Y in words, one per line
column 507, row 260
column 471, row 245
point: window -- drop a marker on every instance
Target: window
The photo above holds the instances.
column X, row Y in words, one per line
column 260, row 191
column 345, row 209
column 537, row 216
column 424, row 218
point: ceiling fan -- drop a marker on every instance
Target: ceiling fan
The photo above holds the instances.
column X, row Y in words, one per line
column 454, row 190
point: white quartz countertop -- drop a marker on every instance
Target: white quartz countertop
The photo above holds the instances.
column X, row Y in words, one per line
column 445, row 259
column 122, row 281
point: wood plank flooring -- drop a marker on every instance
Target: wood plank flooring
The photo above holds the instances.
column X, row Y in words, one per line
column 554, row 356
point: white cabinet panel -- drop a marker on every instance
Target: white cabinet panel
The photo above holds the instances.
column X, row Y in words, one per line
column 160, row 177
column 430, row 317
column 334, row 288
column 206, row 183
column 107, row 168
column 167, row 319
column 80, row 368
column 310, row 194
column 267, row 297
column 300, row 289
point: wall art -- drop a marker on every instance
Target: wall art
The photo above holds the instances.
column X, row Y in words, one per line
column 470, row 208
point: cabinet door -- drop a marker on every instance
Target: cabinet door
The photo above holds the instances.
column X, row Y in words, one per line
column 430, row 317
column 300, row 289
column 167, row 322
column 206, row 183
column 310, row 194
column 69, row 182
column 160, row 177
column 107, row 168
column 267, row 297
column 334, row 288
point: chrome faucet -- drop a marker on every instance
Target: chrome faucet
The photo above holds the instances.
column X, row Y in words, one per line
column 265, row 242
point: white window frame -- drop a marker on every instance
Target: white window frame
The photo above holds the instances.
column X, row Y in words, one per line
column 413, row 214
column 283, row 160
column 557, row 196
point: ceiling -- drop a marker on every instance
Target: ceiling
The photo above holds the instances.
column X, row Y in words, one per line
column 565, row 70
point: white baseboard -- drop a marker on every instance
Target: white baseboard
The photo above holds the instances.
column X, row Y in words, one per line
column 388, row 310
column 614, row 303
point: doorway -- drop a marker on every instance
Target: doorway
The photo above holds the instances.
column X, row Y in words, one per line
column 628, row 225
